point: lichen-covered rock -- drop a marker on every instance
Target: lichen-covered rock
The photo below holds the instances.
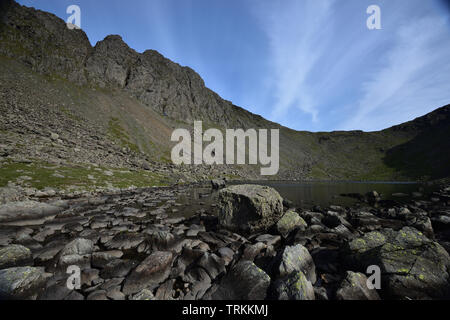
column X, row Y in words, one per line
column 15, row 256
column 297, row 258
column 118, row 268
column 289, row 222
column 354, row 287
column 101, row 259
column 245, row 281
column 249, row 207
column 22, row 282
column 294, row 287
column 412, row 266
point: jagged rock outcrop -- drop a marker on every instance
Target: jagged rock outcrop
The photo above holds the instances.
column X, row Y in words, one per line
column 44, row 42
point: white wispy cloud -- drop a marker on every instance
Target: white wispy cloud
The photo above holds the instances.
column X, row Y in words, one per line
column 328, row 65
column 409, row 82
column 293, row 30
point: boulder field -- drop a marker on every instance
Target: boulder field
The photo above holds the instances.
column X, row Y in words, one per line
column 247, row 244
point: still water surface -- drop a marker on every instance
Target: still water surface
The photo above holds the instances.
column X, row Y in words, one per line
column 308, row 194
column 305, row 194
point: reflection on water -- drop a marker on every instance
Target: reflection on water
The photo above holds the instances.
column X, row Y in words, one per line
column 308, row 194
column 197, row 200
column 302, row 194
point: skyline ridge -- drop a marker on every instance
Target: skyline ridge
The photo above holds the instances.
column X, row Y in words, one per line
column 236, row 62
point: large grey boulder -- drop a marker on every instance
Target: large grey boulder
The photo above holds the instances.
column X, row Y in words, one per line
column 412, row 266
column 249, row 207
column 245, row 281
column 294, row 287
column 15, row 256
column 354, row 287
column 22, row 282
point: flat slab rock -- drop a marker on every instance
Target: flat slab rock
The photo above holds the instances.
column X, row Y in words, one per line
column 14, row 211
column 153, row 271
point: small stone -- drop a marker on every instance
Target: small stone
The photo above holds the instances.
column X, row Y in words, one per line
column 54, row 136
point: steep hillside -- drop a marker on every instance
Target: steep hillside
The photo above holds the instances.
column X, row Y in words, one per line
column 67, row 103
column 427, row 154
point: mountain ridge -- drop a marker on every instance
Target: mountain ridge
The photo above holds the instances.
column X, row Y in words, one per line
column 170, row 96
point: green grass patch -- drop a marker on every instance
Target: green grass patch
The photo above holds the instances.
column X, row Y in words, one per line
column 43, row 175
column 118, row 133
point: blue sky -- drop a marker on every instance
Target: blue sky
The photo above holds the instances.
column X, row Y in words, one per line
column 307, row 64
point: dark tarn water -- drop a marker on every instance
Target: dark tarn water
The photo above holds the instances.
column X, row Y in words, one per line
column 309, row 194
column 305, row 194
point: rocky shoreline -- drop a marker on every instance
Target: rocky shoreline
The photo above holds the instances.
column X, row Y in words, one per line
column 246, row 243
